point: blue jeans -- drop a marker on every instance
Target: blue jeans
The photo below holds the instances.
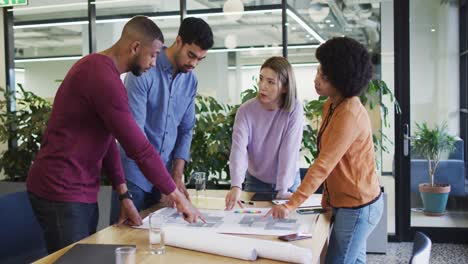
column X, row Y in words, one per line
column 253, row 184
column 64, row 223
column 351, row 228
column 141, row 199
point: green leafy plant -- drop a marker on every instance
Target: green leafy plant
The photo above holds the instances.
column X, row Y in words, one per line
column 431, row 143
column 212, row 135
column 26, row 125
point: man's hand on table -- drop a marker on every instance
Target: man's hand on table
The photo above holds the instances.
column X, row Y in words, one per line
column 181, row 186
column 129, row 214
column 190, row 213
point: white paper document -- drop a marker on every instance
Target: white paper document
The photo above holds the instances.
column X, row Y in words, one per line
column 312, row 201
column 241, row 221
column 245, row 248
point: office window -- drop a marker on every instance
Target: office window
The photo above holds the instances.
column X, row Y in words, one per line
column 48, row 38
column 243, row 40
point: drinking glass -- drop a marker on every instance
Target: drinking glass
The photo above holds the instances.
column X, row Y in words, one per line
column 200, row 182
column 156, row 234
column 125, row 255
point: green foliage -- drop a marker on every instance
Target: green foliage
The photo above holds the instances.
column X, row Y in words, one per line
column 313, row 112
column 211, row 142
column 431, row 143
column 213, row 128
column 26, row 125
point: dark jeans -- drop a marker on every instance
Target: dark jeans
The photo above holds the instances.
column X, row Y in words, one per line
column 252, row 184
column 141, row 199
column 64, row 223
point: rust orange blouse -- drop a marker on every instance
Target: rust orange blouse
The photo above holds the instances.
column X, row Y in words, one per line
column 346, row 159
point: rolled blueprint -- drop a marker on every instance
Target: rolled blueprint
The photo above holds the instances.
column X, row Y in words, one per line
column 209, row 242
column 282, row 251
column 245, row 248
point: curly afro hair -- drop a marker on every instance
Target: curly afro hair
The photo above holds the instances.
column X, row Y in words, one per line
column 346, row 64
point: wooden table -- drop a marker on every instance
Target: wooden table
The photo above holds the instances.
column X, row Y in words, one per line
column 212, row 199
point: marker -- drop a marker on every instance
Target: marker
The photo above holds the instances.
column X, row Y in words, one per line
column 247, row 211
column 248, row 202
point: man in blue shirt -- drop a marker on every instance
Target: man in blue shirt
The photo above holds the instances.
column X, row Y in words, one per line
column 162, row 101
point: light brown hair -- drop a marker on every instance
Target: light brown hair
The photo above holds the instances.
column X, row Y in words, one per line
column 283, row 69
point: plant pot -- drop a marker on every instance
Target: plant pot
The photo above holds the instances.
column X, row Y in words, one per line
column 434, row 198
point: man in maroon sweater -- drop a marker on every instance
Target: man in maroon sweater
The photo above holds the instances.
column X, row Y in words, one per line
column 90, row 113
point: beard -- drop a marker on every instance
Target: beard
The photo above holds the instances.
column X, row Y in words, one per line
column 134, row 67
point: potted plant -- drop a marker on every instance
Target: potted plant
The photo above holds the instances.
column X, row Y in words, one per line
column 431, row 143
column 29, row 121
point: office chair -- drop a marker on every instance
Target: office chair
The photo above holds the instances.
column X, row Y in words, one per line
column 421, row 249
column 21, row 236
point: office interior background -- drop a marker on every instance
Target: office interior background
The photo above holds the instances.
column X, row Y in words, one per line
column 419, row 47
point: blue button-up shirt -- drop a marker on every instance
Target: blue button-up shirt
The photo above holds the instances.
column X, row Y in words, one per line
column 164, row 108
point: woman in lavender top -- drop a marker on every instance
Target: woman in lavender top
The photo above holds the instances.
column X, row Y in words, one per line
column 267, row 136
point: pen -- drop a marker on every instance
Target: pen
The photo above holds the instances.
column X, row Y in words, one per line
column 248, row 202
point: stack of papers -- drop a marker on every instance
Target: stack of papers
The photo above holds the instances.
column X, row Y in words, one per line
column 312, row 201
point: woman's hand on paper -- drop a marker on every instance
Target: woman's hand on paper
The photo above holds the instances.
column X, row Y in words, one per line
column 190, row 213
column 278, row 212
column 233, row 198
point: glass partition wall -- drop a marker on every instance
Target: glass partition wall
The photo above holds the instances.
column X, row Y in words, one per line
column 49, row 36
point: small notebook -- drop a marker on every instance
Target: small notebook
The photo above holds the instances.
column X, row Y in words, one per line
column 263, row 196
column 90, row 254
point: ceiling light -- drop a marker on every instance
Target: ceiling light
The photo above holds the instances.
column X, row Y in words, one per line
column 305, row 25
column 433, row 30
column 25, row 9
column 263, row 48
column 230, row 41
column 51, row 24
column 248, row 67
column 332, row 25
column 318, row 11
column 233, row 9
column 49, row 59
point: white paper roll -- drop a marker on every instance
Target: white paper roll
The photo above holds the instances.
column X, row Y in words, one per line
column 283, row 251
column 209, row 242
column 245, row 248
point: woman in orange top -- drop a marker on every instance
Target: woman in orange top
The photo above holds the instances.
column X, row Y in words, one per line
column 345, row 162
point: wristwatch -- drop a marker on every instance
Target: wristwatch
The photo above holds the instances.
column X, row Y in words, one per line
column 125, row 195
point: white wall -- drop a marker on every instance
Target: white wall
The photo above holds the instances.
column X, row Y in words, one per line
column 212, row 75
column 388, row 76
column 42, row 78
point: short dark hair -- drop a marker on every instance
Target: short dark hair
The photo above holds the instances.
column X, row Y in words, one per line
column 143, row 27
column 346, row 64
column 196, row 30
